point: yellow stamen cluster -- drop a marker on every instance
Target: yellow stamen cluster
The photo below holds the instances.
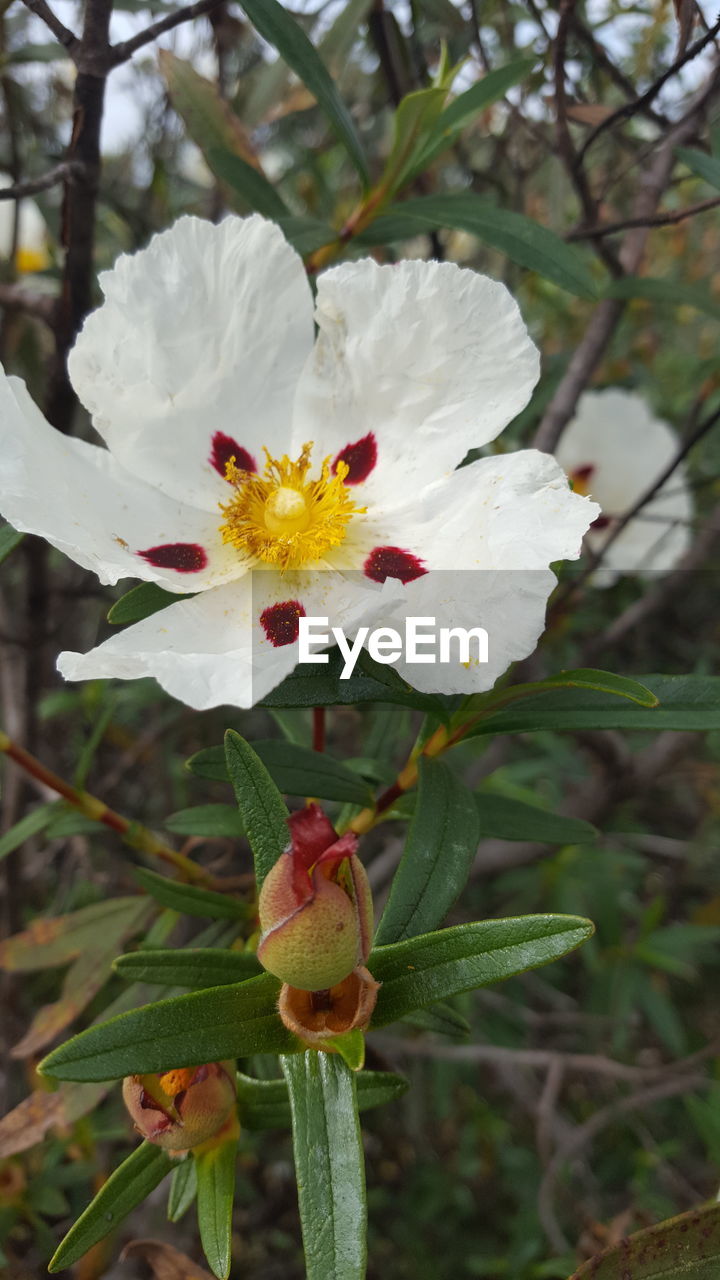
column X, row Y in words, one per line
column 282, row 517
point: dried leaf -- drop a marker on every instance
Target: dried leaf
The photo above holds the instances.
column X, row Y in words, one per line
column 166, row 1262
column 592, row 113
column 27, row 1124
column 685, row 12
column 48, row 943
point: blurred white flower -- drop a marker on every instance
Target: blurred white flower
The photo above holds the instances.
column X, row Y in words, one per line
column 614, row 449
column 32, row 245
column 243, row 453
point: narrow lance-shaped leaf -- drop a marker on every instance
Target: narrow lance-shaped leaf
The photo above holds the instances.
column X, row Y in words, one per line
column 329, row 1165
column 9, row 540
column 420, row 971
column 677, row 293
column 189, row 899
column 705, row 166
column 261, row 806
column 504, row 818
column 265, row 1104
column 215, row 1167
column 183, row 1189
column 683, row 1248
column 524, row 241
column 127, row 1187
column 182, row 1031
column 439, row 850
column 194, row 967
column 141, row 602
column 279, row 28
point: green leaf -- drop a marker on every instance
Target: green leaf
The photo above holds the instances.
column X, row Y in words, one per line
column 685, row 702
column 195, row 968
column 705, row 166
column 605, row 681
column 275, row 24
column 9, row 540
column 182, row 1031
column 438, row 854
column 683, row 1248
column 506, row 819
column 30, row 825
column 248, row 182
column 441, row 1019
column 215, row 1167
column 420, row 971
column 189, row 899
column 306, row 234
column 329, row 1165
column 141, row 602
column 265, row 1104
column 183, row 1189
column 493, row 86
column 467, row 105
column 207, row 820
column 299, row 771
column 215, row 128
column 524, row 241
column 674, row 292
column 127, row 1187
column 412, row 125
column 370, row 682
column 261, row 806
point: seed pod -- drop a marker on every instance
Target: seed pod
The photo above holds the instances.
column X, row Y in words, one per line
column 181, row 1109
column 315, row 906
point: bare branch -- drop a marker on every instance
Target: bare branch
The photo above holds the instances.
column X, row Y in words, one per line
column 121, row 52
column 15, row 298
column 31, row 186
column 62, row 33
column 659, row 220
column 631, row 108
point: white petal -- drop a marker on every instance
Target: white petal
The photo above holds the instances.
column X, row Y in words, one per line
column 205, row 331
column 81, row 500
column 431, row 359
column 487, row 537
column 213, row 650
column 615, row 433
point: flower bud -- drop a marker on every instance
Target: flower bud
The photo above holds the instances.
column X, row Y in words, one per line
column 315, row 906
column 317, row 1016
column 183, row 1108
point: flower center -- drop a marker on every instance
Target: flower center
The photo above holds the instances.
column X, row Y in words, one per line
column 284, row 518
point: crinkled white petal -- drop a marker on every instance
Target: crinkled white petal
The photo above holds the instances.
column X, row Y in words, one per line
column 77, row 497
column 204, row 331
column 431, row 359
column 213, row 650
column 615, row 433
column 487, row 537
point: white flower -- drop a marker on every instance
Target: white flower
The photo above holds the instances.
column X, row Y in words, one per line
column 615, row 449
column 32, row 251
column 236, row 443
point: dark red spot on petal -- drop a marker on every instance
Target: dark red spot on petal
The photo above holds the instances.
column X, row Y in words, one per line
column 602, row 522
column 280, row 622
column 185, row 557
column 393, row 562
column 583, row 474
column 360, row 457
column 224, row 448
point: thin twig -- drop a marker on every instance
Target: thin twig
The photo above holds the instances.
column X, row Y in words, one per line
column 62, row 33
column 631, row 108
column 121, row 52
column 133, row 834
column 659, row 220
column 31, row 186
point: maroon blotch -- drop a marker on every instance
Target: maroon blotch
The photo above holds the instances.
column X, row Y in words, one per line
column 359, row 457
column 224, row 448
column 602, row 522
column 280, row 622
column 393, row 562
column 185, row 557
